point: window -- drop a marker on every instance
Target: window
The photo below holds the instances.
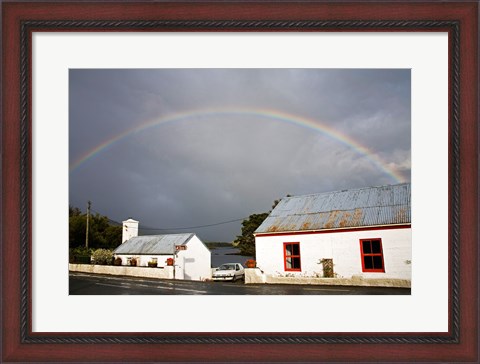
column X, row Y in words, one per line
column 372, row 255
column 291, row 253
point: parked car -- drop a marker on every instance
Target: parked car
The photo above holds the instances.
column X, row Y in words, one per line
column 229, row 272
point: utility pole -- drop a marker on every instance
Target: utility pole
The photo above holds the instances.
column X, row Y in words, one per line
column 88, row 218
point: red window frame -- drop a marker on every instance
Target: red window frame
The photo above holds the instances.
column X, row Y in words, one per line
column 292, row 256
column 367, row 250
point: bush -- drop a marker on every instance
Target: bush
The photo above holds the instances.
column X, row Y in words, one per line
column 82, row 259
column 117, row 261
column 102, row 256
column 80, row 255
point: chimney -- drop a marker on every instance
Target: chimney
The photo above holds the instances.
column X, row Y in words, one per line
column 130, row 229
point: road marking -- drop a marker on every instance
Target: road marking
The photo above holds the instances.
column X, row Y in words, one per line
column 181, row 289
column 123, row 285
column 326, row 289
column 133, row 282
column 108, row 285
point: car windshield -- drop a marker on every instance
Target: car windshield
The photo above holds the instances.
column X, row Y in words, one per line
column 227, row 267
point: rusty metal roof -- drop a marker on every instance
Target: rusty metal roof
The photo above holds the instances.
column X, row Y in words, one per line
column 371, row 206
column 153, row 244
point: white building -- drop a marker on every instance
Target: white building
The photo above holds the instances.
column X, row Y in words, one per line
column 358, row 237
column 192, row 259
column 130, row 229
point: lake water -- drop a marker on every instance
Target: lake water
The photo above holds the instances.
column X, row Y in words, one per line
column 224, row 255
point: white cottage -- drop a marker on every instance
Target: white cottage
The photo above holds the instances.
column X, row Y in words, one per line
column 191, row 258
column 359, row 237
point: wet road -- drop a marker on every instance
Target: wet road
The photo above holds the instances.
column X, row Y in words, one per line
column 95, row 284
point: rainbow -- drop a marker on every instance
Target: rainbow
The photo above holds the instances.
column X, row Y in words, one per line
column 262, row 113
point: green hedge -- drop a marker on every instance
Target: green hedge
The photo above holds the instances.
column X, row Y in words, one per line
column 81, row 259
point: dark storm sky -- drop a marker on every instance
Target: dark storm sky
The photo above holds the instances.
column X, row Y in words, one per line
column 181, row 148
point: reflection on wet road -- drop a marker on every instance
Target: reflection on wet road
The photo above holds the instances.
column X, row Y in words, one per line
column 95, row 284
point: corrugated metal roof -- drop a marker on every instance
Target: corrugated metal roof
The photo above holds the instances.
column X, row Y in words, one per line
column 371, row 206
column 153, row 244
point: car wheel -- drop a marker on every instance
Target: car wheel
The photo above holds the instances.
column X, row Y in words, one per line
column 234, row 279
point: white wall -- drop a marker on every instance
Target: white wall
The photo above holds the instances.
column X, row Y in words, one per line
column 142, row 260
column 194, row 263
column 343, row 248
column 197, row 259
column 129, row 229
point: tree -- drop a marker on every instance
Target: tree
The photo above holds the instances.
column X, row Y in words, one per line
column 74, row 211
column 77, row 225
column 101, row 233
column 246, row 241
column 113, row 236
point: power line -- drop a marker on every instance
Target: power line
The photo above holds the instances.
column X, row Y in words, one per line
column 196, row 227
column 178, row 228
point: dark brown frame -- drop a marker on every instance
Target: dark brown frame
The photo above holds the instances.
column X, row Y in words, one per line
column 20, row 19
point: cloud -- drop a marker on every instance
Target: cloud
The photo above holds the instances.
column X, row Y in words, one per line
column 208, row 168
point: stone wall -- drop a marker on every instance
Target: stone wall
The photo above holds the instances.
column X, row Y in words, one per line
column 146, row 272
column 255, row 275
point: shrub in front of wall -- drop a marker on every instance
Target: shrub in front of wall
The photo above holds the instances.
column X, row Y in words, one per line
column 79, row 255
column 82, row 259
column 102, row 256
column 117, row 261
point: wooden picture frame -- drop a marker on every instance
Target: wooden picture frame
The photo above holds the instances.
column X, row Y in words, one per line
column 20, row 19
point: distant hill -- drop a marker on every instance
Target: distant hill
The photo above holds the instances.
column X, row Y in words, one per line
column 218, row 244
